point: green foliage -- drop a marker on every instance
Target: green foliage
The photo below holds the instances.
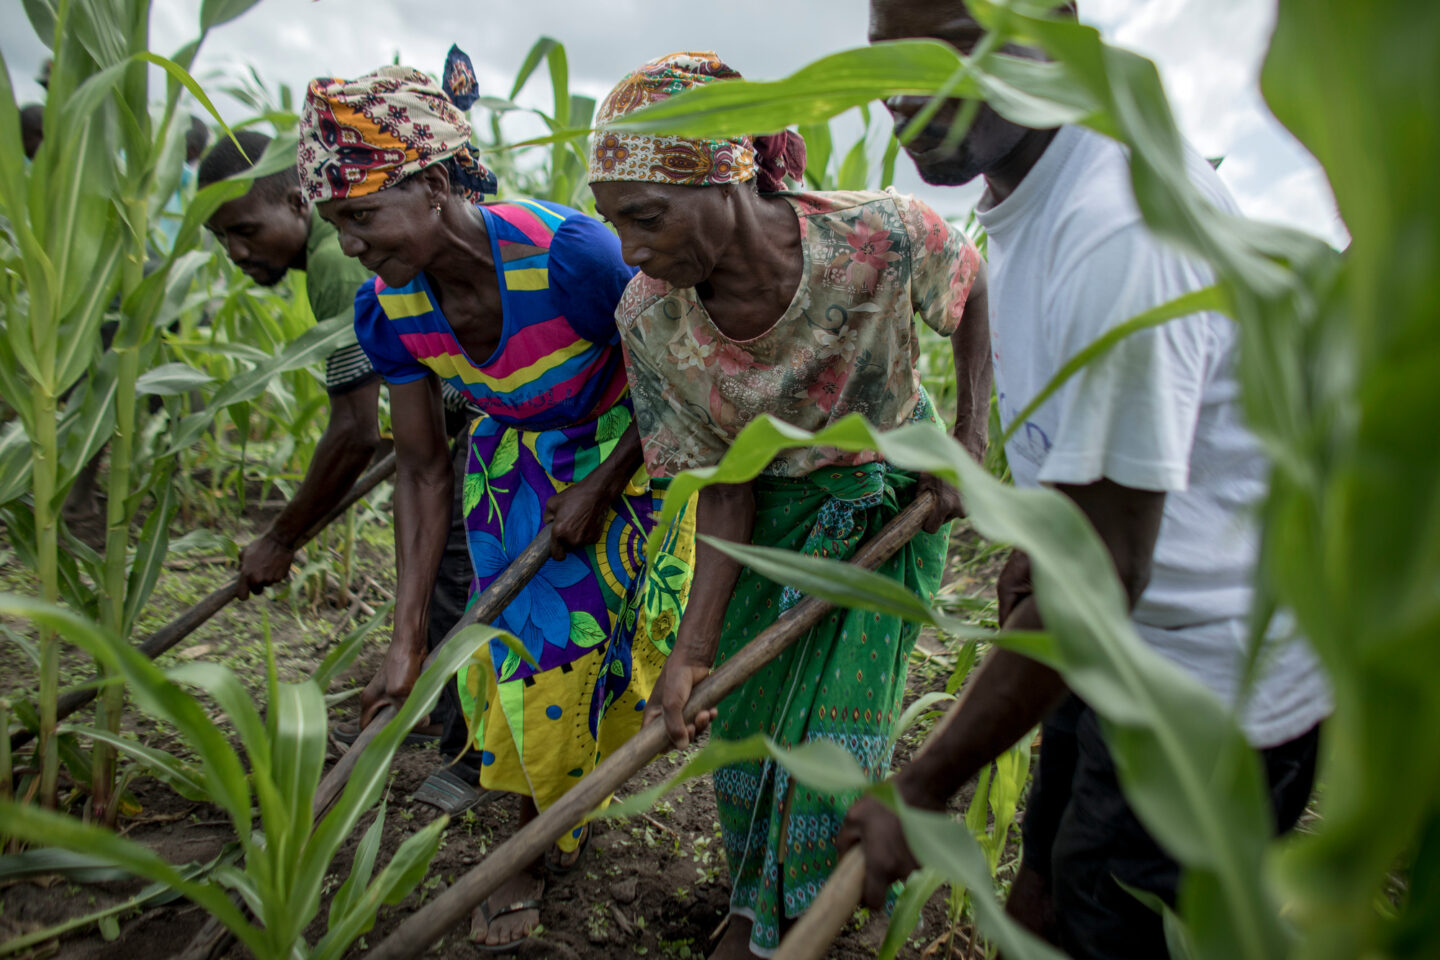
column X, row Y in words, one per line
column 80, row 246
column 853, row 171
column 1210, row 298
column 78, row 231
column 837, row 83
column 829, row 768
column 949, row 850
column 820, row 764
column 1351, row 539
column 84, row 869
column 287, row 857
column 562, row 177
column 1339, row 366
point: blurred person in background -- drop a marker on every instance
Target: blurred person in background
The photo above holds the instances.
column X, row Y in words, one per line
column 32, row 128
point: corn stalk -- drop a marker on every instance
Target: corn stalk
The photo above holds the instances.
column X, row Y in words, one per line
column 122, row 443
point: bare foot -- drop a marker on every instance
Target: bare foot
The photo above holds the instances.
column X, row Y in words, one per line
column 508, row 925
column 735, row 945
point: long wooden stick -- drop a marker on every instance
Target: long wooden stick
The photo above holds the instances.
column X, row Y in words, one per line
column 486, row 608
column 431, row 921
column 185, row 624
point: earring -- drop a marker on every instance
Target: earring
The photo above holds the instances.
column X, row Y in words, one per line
column 435, row 209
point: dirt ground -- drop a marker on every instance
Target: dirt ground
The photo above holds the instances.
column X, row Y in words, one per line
column 653, row 886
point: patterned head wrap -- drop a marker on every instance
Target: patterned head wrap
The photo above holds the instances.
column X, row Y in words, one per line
column 361, row 136
column 694, row 162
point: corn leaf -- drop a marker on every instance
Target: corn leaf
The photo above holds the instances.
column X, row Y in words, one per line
column 151, row 549
column 310, row 347
column 843, row 585
column 224, row 777
column 171, row 380
column 1198, row 301
column 367, row 779
column 537, row 52
column 44, row 827
column 88, row 423
column 298, row 759
column 181, row 777
column 916, row 711
column 942, row 845
column 215, row 12
column 920, row 886
column 400, row 876
column 53, row 861
column 344, row 653
column 361, row 869
column 820, row 764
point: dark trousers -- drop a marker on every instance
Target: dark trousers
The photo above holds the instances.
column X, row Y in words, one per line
column 447, row 605
column 1081, row 836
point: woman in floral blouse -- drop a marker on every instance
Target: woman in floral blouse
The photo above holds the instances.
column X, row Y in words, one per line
column 799, row 305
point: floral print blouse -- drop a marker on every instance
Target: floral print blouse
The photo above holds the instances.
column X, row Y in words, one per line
column 847, row 343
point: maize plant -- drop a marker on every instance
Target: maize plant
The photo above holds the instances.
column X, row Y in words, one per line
column 79, row 251
column 287, row 852
column 562, row 178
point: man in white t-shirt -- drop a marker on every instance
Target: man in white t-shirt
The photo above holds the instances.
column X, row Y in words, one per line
column 1150, row 443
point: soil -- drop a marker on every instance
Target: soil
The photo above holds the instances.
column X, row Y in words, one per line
column 653, row 886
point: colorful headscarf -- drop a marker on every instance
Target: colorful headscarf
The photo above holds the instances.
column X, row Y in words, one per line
column 687, row 161
column 361, row 136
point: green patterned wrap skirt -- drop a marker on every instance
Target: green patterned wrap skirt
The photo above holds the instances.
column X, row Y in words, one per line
column 842, row 682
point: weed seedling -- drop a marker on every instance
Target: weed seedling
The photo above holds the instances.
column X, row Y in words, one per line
column 597, row 924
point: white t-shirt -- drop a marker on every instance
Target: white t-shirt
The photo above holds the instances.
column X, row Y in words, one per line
column 1069, row 259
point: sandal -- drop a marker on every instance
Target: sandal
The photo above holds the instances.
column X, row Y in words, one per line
column 349, row 731
column 559, row 868
column 519, row 906
column 449, row 792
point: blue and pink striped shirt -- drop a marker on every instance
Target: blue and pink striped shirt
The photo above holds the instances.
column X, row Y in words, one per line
column 559, row 359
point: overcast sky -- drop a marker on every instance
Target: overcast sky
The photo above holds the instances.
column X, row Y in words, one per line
column 1209, row 52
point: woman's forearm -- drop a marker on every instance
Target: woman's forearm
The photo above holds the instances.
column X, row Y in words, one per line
column 615, row 471
column 423, row 497
column 726, row 512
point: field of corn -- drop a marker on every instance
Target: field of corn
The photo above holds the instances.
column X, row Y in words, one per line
column 156, row 406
